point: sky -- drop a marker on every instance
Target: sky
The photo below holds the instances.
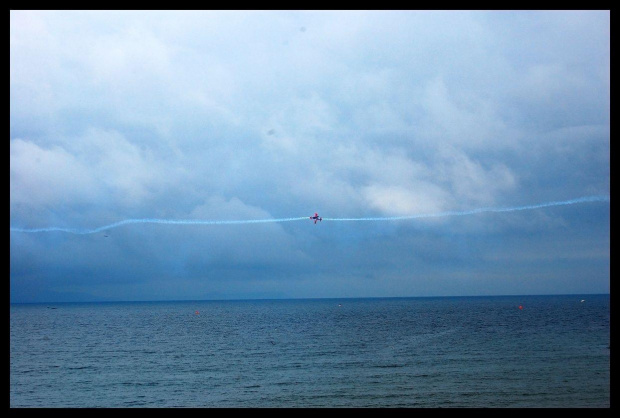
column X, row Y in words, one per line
column 404, row 122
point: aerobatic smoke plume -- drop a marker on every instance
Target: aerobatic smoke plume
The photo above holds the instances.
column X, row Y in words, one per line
column 255, row 221
column 479, row 210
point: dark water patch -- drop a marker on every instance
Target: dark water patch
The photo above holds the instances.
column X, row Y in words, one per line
column 405, row 352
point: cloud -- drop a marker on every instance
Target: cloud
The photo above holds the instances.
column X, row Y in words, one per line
column 46, row 177
column 242, row 114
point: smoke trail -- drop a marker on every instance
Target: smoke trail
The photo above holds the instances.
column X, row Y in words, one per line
column 255, row 221
column 153, row 221
column 480, row 210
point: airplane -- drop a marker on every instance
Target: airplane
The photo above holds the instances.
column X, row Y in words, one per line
column 316, row 217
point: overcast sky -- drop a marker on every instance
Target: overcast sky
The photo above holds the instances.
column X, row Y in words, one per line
column 265, row 115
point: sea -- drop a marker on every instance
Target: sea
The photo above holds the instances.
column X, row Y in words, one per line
column 444, row 352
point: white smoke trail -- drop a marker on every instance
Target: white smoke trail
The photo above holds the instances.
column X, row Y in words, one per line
column 480, row 210
column 255, row 221
column 153, row 221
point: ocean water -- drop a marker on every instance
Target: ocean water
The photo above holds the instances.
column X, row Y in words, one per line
column 466, row 352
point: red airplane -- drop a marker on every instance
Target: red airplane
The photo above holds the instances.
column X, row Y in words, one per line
column 316, row 217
